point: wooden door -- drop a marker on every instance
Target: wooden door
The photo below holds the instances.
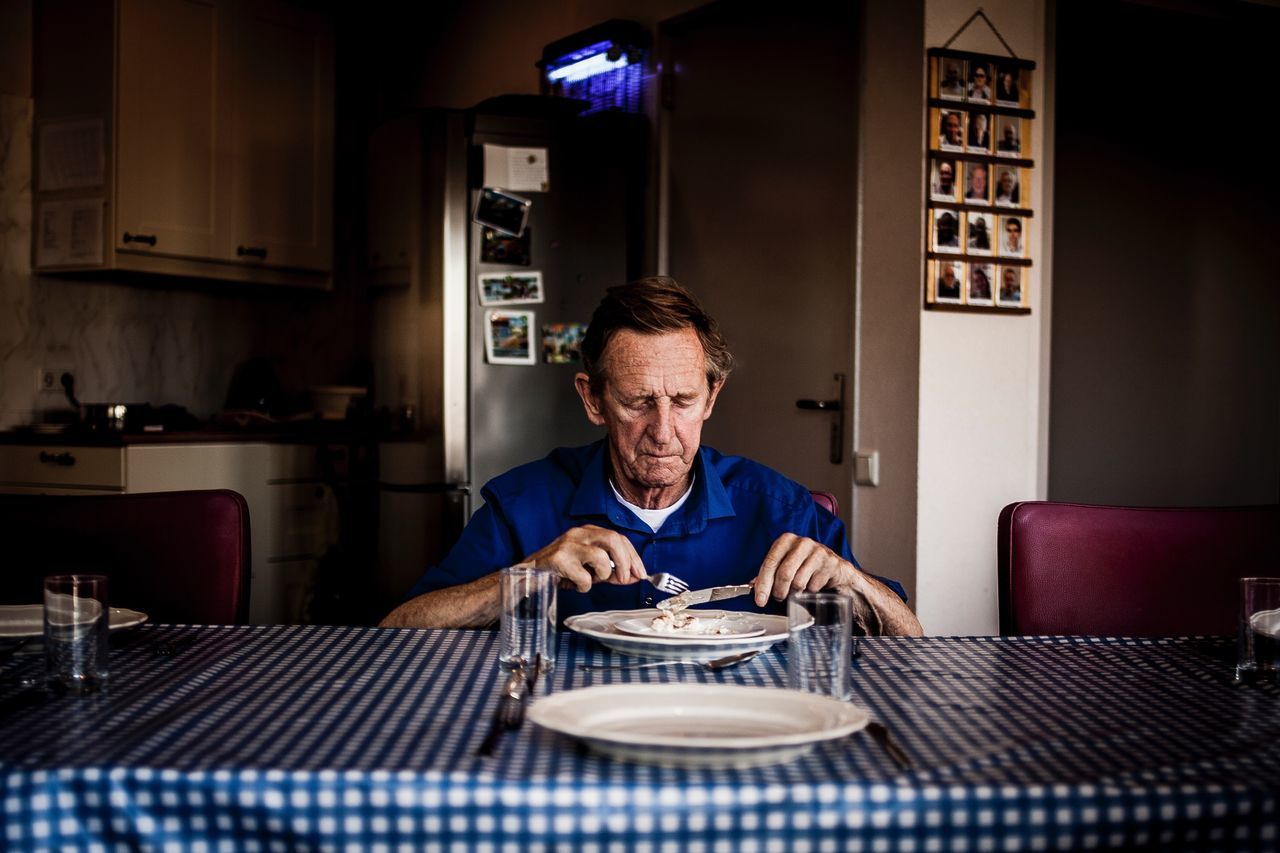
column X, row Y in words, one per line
column 760, row 149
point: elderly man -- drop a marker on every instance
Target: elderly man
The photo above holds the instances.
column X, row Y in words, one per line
column 648, row 497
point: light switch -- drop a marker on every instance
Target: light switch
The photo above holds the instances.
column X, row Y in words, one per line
column 866, row 468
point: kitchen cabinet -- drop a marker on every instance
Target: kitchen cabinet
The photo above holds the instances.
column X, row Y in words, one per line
column 292, row 511
column 185, row 137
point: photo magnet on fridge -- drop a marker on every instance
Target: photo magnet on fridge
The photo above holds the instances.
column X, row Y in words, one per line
column 562, row 342
column 508, row 337
column 502, row 211
column 509, row 288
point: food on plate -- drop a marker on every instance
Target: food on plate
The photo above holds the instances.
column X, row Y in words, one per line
column 684, row 622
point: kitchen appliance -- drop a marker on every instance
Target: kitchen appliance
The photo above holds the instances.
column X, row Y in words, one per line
column 584, row 233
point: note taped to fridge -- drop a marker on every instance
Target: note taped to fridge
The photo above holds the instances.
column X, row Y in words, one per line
column 520, row 169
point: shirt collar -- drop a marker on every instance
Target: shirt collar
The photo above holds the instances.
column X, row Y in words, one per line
column 594, row 498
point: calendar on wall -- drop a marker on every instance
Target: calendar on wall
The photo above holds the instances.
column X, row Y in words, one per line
column 978, row 182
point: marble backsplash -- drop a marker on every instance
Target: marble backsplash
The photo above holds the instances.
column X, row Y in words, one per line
column 156, row 342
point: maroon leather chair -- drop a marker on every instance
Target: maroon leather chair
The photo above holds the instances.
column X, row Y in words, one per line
column 176, row 556
column 1081, row 569
column 827, row 501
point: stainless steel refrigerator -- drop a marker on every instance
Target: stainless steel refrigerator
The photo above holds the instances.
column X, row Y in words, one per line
column 474, row 418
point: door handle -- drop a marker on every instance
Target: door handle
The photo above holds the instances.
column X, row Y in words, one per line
column 836, row 407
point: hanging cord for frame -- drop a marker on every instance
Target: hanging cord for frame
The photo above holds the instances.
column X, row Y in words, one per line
column 983, row 15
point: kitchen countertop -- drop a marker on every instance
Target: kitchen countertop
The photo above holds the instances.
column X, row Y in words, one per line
column 300, row 432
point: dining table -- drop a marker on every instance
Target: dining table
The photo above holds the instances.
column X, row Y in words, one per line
column 270, row 738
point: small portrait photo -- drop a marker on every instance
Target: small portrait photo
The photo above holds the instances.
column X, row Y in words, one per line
column 502, row 211
column 979, row 89
column 951, row 130
column 1008, row 186
column 1008, row 136
column 977, row 189
column 979, row 292
column 510, row 288
column 946, row 231
column 562, row 342
column 948, row 276
column 979, row 231
column 978, row 139
column 1011, row 240
column 951, row 79
column 943, row 185
column 507, row 337
column 1009, row 293
column 499, row 248
column 1008, row 93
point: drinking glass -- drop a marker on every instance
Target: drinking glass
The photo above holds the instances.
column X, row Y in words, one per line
column 1258, row 649
column 820, row 642
column 76, row 619
column 528, row 619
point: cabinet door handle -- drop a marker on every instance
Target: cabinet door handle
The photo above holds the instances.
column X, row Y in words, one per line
column 258, row 252
column 149, row 239
column 64, row 459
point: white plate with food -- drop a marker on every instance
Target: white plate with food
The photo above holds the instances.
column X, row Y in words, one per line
column 697, row 725
column 27, row 620
column 693, row 623
column 605, row 626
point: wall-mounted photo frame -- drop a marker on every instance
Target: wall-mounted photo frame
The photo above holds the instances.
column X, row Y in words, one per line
column 508, row 337
column 509, row 288
column 978, row 174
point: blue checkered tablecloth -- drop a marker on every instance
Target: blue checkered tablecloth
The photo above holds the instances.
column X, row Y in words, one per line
column 330, row 738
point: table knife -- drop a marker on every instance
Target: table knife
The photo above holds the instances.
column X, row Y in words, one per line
column 510, row 711
column 701, row 596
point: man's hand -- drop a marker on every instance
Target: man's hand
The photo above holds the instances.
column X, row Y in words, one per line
column 586, row 555
column 799, row 563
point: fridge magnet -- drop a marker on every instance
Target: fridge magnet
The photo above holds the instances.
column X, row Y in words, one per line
column 510, row 288
column 502, row 211
column 499, row 248
column 507, row 337
column 562, row 342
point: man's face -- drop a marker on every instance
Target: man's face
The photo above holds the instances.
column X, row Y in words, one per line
column 978, row 180
column 1006, row 182
column 1008, row 134
column 945, row 177
column 979, row 77
column 653, row 404
column 951, row 127
column 949, row 276
column 1010, row 281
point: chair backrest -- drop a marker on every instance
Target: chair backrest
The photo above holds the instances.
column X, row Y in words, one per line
column 827, row 501
column 1082, row 569
column 176, row 556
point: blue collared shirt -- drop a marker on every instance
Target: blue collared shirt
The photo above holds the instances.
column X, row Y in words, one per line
column 720, row 536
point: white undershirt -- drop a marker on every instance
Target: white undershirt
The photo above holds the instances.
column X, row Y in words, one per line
column 653, row 517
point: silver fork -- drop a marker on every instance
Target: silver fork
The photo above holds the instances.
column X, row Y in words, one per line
column 668, row 583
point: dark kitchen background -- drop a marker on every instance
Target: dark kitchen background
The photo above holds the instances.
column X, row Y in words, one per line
column 1146, row 373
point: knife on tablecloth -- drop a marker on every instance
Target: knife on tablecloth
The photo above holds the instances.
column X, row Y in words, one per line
column 509, row 714
column 702, row 596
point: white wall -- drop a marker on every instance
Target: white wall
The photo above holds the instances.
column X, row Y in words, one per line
column 982, row 427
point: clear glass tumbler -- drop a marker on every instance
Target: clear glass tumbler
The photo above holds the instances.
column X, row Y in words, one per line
column 820, row 642
column 528, row 619
column 76, row 621
column 1258, row 649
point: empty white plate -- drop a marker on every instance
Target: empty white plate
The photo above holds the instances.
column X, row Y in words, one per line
column 27, row 620
column 697, row 725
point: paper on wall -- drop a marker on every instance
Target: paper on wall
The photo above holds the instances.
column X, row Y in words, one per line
column 71, row 155
column 516, row 169
column 69, row 232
